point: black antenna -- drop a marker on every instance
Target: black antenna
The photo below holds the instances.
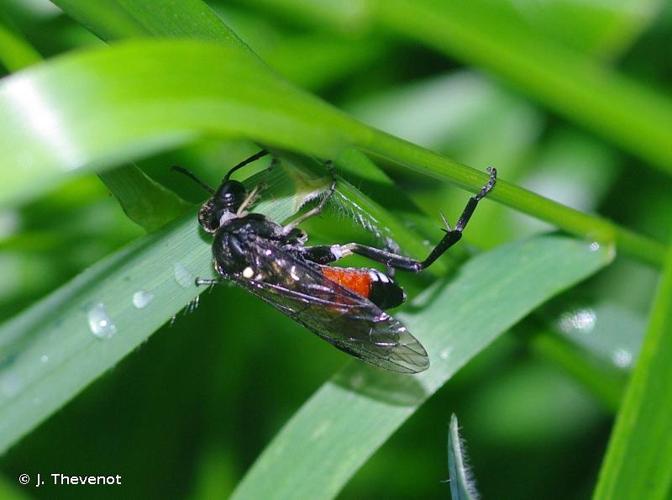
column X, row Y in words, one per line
column 252, row 158
column 193, row 177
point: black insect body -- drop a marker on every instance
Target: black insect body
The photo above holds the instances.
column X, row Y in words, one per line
column 344, row 306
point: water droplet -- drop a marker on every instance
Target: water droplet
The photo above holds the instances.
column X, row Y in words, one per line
column 594, row 246
column 445, row 354
column 44, row 358
column 580, row 320
column 182, row 275
column 10, row 385
column 142, row 298
column 622, row 358
column 100, row 323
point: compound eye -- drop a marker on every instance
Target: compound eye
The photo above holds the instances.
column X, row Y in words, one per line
column 207, row 217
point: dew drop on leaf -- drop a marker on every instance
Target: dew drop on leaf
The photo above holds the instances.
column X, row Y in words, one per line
column 100, row 323
column 182, row 275
column 142, row 298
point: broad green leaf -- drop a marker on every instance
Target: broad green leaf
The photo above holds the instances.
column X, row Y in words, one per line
column 461, row 483
column 145, row 202
column 46, row 106
column 99, row 108
column 352, row 415
column 52, row 350
column 638, row 463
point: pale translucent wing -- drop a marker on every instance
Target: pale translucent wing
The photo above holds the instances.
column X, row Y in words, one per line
column 350, row 322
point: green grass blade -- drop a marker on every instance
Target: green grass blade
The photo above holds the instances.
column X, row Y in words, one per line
column 146, row 202
column 576, row 86
column 15, row 53
column 49, row 352
column 543, row 55
column 462, row 485
column 638, row 463
column 343, row 424
column 590, row 26
column 115, row 19
column 98, row 108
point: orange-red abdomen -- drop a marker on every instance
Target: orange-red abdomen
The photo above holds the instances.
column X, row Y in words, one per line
column 352, row 279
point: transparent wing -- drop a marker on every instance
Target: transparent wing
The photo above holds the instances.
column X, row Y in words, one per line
column 350, row 322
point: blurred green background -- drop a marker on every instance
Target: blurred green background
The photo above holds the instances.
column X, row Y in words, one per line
column 187, row 413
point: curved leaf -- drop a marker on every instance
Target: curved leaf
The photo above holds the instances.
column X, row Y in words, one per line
column 638, row 463
column 352, row 415
column 462, row 485
column 101, row 107
column 52, row 350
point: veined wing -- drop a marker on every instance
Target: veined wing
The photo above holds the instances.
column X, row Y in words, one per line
column 348, row 321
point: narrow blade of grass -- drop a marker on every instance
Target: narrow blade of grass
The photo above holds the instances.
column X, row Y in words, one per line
column 462, row 486
column 346, row 421
column 571, row 84
column 49, row 352
column 115, row 19
column 98, row 108
column 15, row 53
column 542, row 55
column 638, row 463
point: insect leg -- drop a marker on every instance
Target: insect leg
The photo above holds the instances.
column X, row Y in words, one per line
column 207, row 281
column 473, row 201
column 316, row 210
column 249, row 200
column 327, row 254
column 322, row 254
column 453, row 235
column 252, row 197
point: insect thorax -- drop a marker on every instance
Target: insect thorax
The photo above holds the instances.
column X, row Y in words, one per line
column 236, row 242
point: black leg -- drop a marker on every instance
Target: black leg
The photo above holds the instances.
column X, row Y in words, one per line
column 318, row 209
column 327, row 254
column 321, row 254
